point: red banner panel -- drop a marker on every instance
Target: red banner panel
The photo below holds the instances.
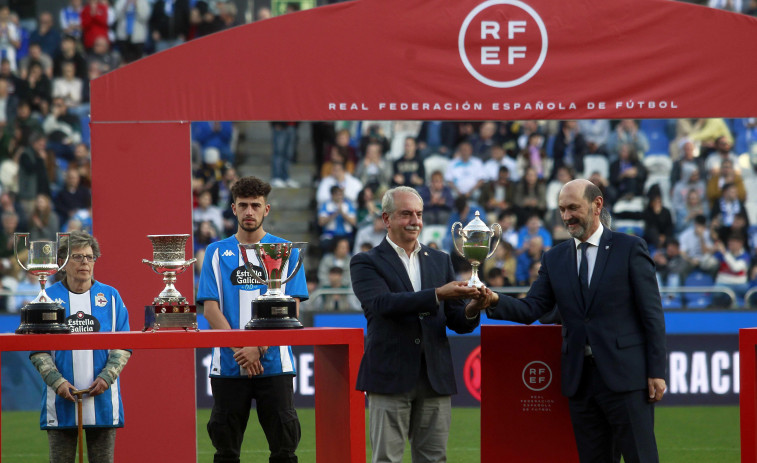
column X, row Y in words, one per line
column 461, row 60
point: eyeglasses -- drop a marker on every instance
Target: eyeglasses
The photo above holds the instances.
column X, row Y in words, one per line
column 83, row 258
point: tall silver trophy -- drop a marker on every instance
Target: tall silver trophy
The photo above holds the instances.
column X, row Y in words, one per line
column 170, row 309
column 42, row 315
column 274, row 309
column 476, row 238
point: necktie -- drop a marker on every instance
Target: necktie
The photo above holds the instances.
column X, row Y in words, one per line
column 583, row 271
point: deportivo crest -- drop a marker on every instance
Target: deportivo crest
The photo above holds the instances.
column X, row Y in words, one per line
column 101, row 300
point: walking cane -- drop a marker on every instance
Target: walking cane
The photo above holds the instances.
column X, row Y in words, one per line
column 78, row 393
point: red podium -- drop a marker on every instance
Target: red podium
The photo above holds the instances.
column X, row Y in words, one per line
column 748, row 393
column 524, row 417
column 339, row 408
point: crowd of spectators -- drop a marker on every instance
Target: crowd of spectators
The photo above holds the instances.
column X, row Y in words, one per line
column 692, row 217
column 678, row 184
column 47, row 59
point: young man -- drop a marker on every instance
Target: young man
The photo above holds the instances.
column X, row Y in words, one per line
column 240, row 374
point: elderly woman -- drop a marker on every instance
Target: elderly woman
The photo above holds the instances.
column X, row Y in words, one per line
column 90, row 306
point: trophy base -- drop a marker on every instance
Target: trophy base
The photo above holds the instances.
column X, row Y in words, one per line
column 273, row 314
column 169, row 316
column 43, row 318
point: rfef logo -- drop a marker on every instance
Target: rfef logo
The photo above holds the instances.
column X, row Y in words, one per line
column 472, row 373
column 503, row 43
column 537, row 376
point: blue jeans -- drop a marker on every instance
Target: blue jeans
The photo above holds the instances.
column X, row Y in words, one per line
column 283, row 152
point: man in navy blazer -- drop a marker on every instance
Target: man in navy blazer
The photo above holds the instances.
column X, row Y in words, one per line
column 409, row 296
column 613, row 349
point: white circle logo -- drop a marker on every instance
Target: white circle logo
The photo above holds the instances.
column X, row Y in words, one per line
column 503, row 43
column 537, row 376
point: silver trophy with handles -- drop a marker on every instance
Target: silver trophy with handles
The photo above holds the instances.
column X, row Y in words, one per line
column 42, row 315
column 170, row 309
column 274, row 309
column 476, row 238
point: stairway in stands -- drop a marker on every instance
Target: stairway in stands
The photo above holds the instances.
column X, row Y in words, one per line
column 292, row 209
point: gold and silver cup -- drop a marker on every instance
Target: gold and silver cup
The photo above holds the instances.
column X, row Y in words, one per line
column 42, row 315
column 476, row 238
column 274, row 309
column 170, row 309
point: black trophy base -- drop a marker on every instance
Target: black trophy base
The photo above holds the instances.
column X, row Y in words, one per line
column 43, row 318
column 273, row 314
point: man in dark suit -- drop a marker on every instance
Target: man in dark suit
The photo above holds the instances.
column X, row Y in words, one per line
column 409, row 296
column 613, row 350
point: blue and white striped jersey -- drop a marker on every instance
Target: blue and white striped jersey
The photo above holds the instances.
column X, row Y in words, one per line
column 225, row 279
column 98, row 310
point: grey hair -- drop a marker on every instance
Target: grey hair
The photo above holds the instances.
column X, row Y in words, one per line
column 78, row 239
column 387, row 202
column 605, row 218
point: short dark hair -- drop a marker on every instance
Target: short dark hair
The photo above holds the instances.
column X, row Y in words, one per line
column 700, row 219
column 250, row 187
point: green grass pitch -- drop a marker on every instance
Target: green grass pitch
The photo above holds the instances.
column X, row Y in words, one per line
column 684, row 434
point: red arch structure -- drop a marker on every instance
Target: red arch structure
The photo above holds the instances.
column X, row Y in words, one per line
column 382, row 59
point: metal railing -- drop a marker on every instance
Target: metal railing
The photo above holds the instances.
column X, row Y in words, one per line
column 748, row 298
column 680, row 290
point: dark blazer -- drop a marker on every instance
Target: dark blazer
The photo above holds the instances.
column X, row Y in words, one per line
column 403, row 324
column 623, row 321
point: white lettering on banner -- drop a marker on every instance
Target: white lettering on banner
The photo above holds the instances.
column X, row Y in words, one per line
column 489, row 55
column 533, row 106
column 528, row 29
column 640, row 104
column 717, row 372
column 305, row 374
column 305, row 382
column 206, row 361
column 490, row 28
column 515, row 52
column 348, row 107
column 515, row 26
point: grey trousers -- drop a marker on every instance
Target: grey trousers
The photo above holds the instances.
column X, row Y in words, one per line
column 100, row 445
column 420, row 416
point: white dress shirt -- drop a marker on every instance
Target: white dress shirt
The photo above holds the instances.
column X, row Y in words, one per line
column 411, row 263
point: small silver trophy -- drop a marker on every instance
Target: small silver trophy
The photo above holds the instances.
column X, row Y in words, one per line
column 274, row 309
column 170, row 309
column 476, row 237
column 42, row 315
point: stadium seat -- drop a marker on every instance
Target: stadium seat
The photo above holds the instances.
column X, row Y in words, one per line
column 663, row 181
column 671, row 301
column 656, row 131
column 658, row 164
column 594, row 163
column 630, row 226
column 433, row 163
column 84, row 122
column 433, row 234
column 698, row 300
column 740, row 134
